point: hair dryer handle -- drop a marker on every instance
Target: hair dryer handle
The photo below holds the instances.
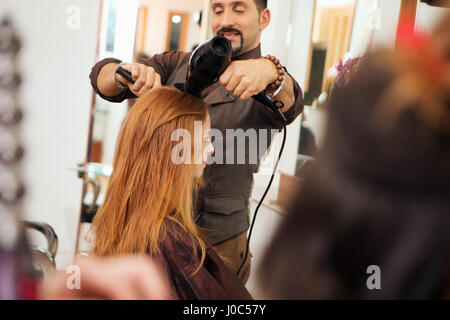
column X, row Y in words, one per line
column 126, row 74
column 276, row 105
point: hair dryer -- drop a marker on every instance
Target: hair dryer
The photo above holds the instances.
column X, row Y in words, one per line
column 206, row 64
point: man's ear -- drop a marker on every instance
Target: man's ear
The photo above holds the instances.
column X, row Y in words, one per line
column 264, row 19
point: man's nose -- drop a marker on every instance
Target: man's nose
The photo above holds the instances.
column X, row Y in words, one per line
column 227, row 19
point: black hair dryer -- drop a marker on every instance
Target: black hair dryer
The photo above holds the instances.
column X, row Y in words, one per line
column 206, row 65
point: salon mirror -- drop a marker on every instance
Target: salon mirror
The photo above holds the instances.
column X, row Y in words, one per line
column 320, row 34
column 160, row 25
column 329, row 43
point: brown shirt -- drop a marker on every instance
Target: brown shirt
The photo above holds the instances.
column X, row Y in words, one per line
column 223, row 205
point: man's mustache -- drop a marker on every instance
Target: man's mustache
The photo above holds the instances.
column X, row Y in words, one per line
column 229, row 30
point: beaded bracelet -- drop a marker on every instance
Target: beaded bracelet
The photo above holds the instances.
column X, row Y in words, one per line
column 275, row 87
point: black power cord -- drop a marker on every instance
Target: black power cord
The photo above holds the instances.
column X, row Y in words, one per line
column 278, row 105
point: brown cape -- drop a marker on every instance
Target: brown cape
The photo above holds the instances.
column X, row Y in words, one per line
column 214, row 281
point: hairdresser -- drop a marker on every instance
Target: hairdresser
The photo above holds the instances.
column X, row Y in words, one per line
column 222, row 207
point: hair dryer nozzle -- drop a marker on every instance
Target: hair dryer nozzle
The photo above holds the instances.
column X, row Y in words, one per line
column 221, row 46
column 207, row 63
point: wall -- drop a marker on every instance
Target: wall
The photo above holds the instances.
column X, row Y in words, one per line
column 384, row 14
column 274, row 38
column 55, row 96
column 429, row 16
column 157, row 23
column 385, row 35
column 386, row 22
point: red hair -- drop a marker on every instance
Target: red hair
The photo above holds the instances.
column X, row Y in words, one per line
column 146, row 186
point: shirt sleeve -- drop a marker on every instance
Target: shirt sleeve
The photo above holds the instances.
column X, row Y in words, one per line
column 126, row 94
column 164, row 64
column 292, row 113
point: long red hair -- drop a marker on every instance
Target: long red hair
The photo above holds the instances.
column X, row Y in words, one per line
column 146, row 186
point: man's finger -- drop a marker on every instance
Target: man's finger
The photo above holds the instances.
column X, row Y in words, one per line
column 140, row 82
column 233, row 84
column 150, row 78
column 135, row 71
column 247, row 95
column 239, row 90
column 157, row 82
column 225, row 77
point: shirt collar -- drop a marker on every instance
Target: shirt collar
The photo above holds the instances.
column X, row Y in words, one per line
column 252, row 54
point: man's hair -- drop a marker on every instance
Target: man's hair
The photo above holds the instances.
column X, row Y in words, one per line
column 261, row 4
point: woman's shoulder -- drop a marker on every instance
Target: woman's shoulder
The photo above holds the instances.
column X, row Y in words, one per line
column 176, row 242
column 212, row 281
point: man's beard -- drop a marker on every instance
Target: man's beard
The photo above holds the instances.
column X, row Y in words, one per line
column 237, row 50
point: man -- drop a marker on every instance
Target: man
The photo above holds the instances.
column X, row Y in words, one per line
column 223, row 205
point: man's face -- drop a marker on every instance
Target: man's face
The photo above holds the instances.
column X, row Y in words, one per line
column 239, row 21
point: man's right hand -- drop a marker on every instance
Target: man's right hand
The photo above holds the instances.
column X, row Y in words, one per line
column 145, row 78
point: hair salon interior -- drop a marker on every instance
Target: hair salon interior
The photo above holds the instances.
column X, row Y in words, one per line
column 359, row 203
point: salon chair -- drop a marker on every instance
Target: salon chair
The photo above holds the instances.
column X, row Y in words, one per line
column 43, row 258
column 89, row 210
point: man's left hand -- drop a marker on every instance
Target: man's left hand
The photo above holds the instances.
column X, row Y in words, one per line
column 246, row 78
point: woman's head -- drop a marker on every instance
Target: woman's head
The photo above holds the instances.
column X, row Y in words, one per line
column 149, row 182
